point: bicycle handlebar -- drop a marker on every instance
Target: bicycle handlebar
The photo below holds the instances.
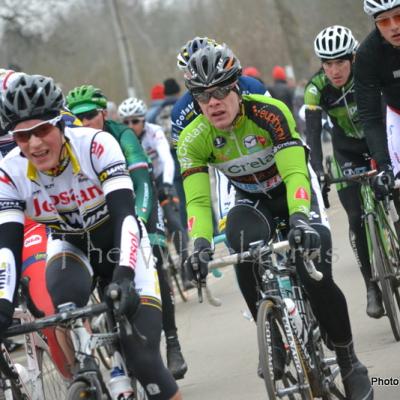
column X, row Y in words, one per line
column 273, row 248
column 53, row 320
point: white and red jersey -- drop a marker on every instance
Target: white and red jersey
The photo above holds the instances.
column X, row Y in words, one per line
column 156, row 145
column 74, row 201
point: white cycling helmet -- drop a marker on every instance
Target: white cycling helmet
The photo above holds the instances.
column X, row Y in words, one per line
column 132, row 107
column 335, row 42
column 373, row 7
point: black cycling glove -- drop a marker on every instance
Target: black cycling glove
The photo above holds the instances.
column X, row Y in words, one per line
column 383, row 183
column 198, row 261
column 303, row 237
column 127, row 299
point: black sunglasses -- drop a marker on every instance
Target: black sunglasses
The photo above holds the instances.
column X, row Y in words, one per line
column 218, row 93
column 88, row 115
column 134, row 121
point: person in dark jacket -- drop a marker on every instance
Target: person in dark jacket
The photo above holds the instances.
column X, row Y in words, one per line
column 280, row 89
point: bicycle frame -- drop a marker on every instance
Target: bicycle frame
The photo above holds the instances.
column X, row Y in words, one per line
column 32, row 341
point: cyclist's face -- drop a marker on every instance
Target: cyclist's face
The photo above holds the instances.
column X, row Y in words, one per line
column 388, row 24
column 221, row 112
column 337, row 71
column 41, row 145
column 136, row 124
column 94, row 121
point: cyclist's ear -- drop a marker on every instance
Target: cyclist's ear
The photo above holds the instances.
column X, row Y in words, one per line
column 246, row 224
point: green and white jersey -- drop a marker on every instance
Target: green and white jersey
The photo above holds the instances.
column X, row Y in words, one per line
column 338, row 103
column 260, row 154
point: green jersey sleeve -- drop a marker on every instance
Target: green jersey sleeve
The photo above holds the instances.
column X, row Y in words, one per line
column 137, row 163
column 193, row 160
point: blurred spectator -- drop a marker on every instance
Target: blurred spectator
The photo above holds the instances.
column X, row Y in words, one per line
column 157, row 97
column 253, row 72
column 280, row 89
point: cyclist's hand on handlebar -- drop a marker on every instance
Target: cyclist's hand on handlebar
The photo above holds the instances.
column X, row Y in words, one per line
column 383, row 182
column 124, row 298
column 304, row 237
column 199, row 259
column 6, row 315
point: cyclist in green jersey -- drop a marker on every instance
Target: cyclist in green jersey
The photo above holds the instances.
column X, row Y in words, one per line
column 252, row 139
column 331, row 90
column 89, row 105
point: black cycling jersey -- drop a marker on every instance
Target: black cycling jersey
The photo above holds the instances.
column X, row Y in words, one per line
column 377, row 72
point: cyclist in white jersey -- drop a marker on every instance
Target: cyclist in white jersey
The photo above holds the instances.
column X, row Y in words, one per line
column 75, row 181
column 152, row 137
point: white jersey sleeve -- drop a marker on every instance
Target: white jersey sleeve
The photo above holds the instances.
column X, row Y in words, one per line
column 11, row 203
column 164, row 153
column 109, row 163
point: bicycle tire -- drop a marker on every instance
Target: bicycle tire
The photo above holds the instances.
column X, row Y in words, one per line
column 174, row 280
column 380, row 263
column 54, row 384
column 140, row 393
column 81, row 389
column 268, row 313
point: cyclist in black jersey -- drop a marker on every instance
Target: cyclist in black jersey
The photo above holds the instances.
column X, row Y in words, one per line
column 377, row 73
column 331, row 90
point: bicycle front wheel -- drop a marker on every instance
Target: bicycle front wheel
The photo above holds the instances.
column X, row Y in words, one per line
column 282, row 365
column 382, row 266
column 54, row 385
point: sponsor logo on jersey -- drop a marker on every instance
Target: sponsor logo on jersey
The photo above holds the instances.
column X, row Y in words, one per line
column 97, row 149
column 313, row 89
column 219, row 142
column 11, row 205
column 112, row 172
column 184, row 146
column 249, row 164
column 250, row 141
column 66, row 198
column 301, row 194
column 32, row 240
column 191, row 222
column 5, row 178
column 273, row 119
column 133, row 248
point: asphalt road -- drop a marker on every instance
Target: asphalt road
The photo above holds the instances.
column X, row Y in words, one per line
column 220, row 345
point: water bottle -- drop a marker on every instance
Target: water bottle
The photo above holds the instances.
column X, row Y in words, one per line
column 119, row 385
column 285, row 286
column 296, row 319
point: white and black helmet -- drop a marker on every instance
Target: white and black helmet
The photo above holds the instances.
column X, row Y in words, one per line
column 334, row 42
column 373, row 7
column 212, row 66
column 132, row 107
column 190, row 48
column 29, row 97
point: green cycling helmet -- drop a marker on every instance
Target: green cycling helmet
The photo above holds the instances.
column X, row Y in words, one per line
column 85, row 98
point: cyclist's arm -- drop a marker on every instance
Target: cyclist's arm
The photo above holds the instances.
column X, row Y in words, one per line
column 164, row 154
column 368, row 96
column 290, row 158
column 11, row 241
column 136, row 160
column 313, row 113
column 192, row 156
column 118, row 191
